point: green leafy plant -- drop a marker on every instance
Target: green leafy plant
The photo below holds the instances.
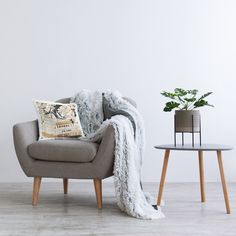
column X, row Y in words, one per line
column 182, row 99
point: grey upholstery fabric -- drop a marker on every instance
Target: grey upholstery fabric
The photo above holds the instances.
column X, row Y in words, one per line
column 64, row 100
column 101, row 166
column 67, row 150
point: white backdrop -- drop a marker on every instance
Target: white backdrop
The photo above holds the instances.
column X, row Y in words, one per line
column 53, row 48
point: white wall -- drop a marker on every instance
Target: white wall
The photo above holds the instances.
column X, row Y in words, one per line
column 53, row 48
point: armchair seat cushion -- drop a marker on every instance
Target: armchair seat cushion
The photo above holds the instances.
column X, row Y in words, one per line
column 63, row 150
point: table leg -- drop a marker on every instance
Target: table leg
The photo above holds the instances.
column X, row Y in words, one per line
column 221, row 167
column 163, row 175
column 201, row 172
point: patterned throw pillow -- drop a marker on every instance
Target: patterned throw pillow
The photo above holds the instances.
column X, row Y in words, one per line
column 57, row 120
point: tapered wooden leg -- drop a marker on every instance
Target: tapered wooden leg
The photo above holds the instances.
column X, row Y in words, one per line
column 65, row 185
column 163, row 176
column 221, row 167
column 201, row 172
column 98, row 190
column 36, row 187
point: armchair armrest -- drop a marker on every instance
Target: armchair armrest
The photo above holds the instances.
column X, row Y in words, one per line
column 23, row 135
column 105, row 155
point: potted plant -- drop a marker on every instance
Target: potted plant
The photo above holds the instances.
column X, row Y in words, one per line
column 187, row 118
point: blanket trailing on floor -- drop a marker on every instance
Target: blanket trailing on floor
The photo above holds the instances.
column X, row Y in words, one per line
column 129, row 147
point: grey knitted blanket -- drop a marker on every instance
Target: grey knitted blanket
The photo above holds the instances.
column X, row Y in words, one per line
column 129, row 147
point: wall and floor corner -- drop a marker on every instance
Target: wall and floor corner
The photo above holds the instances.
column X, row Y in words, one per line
column 52, row 49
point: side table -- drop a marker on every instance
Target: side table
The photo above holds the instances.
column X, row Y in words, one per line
column 200, row 150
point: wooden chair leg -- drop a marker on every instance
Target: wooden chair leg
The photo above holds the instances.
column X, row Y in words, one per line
column 65, row 185
column 36, row 187
column 222, row 175
column 201, row 172
column 163, row 176
column 98, row 191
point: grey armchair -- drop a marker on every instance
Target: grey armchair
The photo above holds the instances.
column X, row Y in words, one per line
column 67, row 159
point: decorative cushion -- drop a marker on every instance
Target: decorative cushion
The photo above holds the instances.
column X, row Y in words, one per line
column 58, row 120
column 66, row 150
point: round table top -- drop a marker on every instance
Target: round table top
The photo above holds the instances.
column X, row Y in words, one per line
column 197, row 147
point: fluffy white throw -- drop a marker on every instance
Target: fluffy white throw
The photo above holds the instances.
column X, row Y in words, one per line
column 128, row 150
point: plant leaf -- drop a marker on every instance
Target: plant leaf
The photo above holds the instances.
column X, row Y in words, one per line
column 205, row 95
column 180, row 92
column 170, row 106
column 193, row 92
column 190, row 99
column 200, row 103
column 168, row 95
column 210, row 105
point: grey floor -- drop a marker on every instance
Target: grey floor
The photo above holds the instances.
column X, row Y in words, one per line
column 76, row 213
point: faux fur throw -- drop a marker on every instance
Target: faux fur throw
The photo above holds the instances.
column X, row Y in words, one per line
column 128, row 150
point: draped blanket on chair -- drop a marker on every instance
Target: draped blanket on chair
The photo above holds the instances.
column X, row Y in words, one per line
column 129, row 147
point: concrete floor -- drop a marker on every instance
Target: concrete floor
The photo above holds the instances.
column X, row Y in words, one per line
column 76, row 213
